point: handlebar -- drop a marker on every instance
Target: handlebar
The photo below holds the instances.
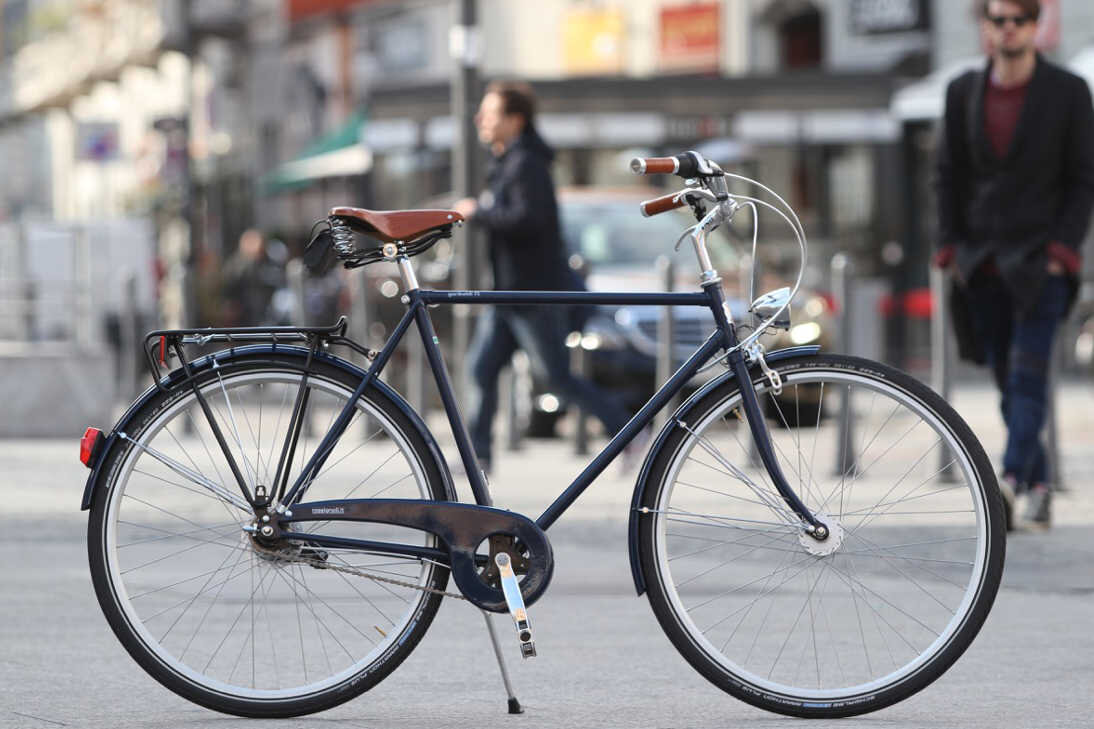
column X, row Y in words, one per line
column 662, row 204
column 687, row 165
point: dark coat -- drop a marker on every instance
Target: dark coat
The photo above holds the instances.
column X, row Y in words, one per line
column 520, row 213
column 1040, row 192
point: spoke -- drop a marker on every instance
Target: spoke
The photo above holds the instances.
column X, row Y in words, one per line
column 189, row 474
column 805, row 603
column 807, row 484
column 220, row 590
column 360, row 445
column 204, row 494
column 872, row 547
column 274, row 439
column 858, row 459
column 718, row 519
column 239, row 615
column 204, row 445
column 200, row 544
column 218, row 586
column 899, row 481
column 235, row 432
column 907, row 497
column 865, row 520
column 716, row 491
column 194, row 598
column 793, row 564
column 896, row 408
column 365, row 597
column 737, row 473
column 734, row 558
column 169, row 534
column 346, row 620
column 885, row 600
column 770, row 496
column 315, row 619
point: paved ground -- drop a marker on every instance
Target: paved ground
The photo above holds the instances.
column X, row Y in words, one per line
column 603, row 660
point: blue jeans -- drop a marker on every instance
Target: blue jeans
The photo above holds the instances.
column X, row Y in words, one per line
column 501, row 331
column 1019, row 350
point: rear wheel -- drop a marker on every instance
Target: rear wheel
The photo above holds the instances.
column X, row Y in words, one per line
column 205, row 609
column 863, row 619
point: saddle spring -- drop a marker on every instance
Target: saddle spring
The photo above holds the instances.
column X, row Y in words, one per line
column 341, row 237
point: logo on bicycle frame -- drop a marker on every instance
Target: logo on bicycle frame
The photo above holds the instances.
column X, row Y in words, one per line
column 328, row 510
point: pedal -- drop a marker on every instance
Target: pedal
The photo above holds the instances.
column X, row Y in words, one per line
column 515, row 601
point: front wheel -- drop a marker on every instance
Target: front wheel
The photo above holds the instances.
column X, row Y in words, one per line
column 865, row 618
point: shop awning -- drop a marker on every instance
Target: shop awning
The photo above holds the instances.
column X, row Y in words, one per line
column 1083, row 65
column 337, row 154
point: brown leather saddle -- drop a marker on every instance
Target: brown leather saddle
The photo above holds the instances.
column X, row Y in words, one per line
column 394, row 226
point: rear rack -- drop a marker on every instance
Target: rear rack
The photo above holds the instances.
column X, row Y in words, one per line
column 161, row 343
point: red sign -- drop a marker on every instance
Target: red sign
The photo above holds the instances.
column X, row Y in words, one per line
column 299, row 9
column 691, row 36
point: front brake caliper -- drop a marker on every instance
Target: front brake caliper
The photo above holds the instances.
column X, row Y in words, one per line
column 756, row 354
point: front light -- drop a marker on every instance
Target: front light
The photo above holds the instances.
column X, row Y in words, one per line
column 805, row 333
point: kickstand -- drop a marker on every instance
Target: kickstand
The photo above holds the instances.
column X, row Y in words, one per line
column 514, row 705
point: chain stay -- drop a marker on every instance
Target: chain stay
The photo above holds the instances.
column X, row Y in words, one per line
column 320, row 564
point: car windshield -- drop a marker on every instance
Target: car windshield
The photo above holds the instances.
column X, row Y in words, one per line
column 614, row 233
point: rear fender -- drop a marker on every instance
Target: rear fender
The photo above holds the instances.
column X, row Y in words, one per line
column 229, row 355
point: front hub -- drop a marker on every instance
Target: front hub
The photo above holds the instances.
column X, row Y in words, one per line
column 833, row 537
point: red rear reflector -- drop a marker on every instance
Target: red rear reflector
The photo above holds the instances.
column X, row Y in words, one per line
column 89, row 445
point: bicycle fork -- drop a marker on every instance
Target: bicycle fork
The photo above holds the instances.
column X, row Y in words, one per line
column 737, row 362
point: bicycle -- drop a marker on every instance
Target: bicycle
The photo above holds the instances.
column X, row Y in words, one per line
column 843, row 593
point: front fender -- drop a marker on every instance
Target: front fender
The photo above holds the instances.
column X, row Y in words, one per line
column 682, row 413
column 228, row 355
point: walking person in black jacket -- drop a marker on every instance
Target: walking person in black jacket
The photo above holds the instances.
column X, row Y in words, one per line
column 520, row 214
column 1015, row 186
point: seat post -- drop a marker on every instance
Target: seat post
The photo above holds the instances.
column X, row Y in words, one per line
column 410, row 279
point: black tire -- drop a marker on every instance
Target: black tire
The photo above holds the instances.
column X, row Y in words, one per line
column 322, row 598
column 683, row 529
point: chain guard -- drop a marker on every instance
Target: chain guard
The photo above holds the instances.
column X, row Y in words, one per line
column 462, row 527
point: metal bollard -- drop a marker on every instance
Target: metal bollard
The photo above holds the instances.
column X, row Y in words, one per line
column 666, row 338
column 1052, row 449
column 941, row 355
column 294, row 272
column 579, row 363
column 509, row 380
column 842, row 269
column 130, row 335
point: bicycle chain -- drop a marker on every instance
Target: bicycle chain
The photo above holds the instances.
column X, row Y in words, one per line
column 320, row 564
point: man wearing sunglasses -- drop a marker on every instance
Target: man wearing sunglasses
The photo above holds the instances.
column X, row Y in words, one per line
column 1015, row 184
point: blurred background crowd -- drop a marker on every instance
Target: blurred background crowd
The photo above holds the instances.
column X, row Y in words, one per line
column 165, row 160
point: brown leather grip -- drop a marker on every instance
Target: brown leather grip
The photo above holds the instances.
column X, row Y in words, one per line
column 662, row 204
column 654, row 165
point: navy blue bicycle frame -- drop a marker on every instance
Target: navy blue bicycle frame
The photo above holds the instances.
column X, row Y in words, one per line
column 724, row 337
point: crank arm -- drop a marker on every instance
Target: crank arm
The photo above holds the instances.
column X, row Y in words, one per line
column 515, row 601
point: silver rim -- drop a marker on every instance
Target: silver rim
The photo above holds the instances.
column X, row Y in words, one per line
column 194, row 590
column 823, row 621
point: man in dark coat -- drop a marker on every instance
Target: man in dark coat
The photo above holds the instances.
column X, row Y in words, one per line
column 1015, row 187
column 520, row 214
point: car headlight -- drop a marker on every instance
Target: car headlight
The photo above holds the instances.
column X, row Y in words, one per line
column 805, row 333
column 601, row 334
